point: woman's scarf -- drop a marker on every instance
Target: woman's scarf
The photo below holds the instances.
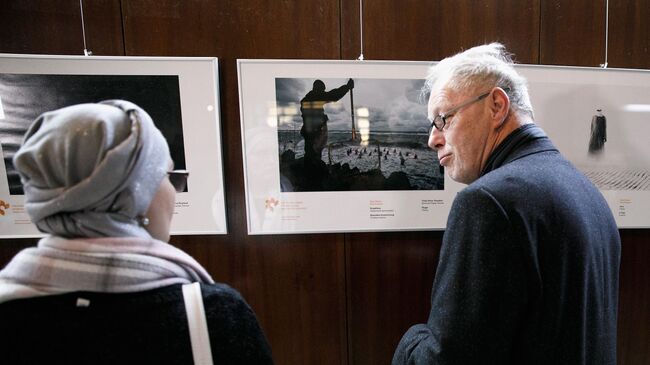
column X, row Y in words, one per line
column 90, row 170
column 109, row 265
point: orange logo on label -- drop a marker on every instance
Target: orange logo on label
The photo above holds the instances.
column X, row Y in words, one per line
column 271, row 203
column 3, row 205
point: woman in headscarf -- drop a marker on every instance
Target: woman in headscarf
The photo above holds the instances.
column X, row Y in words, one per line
column 104, row 287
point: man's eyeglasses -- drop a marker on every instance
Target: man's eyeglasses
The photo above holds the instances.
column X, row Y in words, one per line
column 178, row 178
column 440, row 120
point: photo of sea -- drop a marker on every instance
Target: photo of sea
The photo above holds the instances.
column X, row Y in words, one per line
column 354, row 135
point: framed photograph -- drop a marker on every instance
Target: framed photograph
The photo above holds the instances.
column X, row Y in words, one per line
column 341, row 146
column 180, row 94
column 600, row 120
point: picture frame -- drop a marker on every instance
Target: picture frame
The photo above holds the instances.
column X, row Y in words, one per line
column 599, row 119
column 181, row 94
column 286, row 193
column 380, row 181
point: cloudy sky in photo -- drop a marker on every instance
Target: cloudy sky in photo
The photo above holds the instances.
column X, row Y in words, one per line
column 393, row 104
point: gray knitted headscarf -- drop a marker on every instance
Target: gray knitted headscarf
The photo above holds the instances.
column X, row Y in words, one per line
column 91, row 170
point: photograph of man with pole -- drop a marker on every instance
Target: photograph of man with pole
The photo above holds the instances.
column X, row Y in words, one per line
column 327, row 143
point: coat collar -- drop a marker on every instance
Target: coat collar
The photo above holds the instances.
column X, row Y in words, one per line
column 525, row 140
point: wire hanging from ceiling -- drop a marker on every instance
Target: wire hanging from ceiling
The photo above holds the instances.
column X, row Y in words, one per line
column 361, row 28
column 604, row 65
column 83, row 29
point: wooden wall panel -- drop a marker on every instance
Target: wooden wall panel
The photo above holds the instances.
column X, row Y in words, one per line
column 295, row 283
column 103, row 22
column 573, row 32
column 41, row 26
column 389, row 289
column 232, row 29
column 342, row 298
column 629, row 34
column 634, row 298
column 10, row 247
column 54, row 27
column 432, row 30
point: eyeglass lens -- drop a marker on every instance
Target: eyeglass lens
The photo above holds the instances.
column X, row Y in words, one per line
column 440, row 121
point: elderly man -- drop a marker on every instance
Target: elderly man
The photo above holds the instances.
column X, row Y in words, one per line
column 528, row 270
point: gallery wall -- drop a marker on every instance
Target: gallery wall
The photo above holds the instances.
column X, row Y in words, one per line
column 342, row 298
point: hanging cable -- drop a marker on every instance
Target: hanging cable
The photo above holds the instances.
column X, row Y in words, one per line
column 361, row 28
column 604, row 65
column 83, row 29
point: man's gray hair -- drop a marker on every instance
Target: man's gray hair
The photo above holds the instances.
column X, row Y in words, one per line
column 480, row 68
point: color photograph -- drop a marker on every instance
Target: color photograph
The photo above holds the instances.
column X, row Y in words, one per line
column 339, row 146
column 355, row 134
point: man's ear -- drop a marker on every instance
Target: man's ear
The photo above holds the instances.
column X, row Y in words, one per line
column 499, row 105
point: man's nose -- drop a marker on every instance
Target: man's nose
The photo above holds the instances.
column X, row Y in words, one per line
column 436, row 139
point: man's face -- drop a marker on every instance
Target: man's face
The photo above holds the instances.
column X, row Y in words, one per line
column 462, row 144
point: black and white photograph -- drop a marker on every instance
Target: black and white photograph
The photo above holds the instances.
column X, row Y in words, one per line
column 354, row 134
column 634, row 173
column 600, row 120
column 181, row 95
column 23, row 97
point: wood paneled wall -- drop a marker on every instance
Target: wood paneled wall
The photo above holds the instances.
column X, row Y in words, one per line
column 342, row 298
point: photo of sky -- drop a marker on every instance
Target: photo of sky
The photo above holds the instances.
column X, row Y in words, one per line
column 395, row 105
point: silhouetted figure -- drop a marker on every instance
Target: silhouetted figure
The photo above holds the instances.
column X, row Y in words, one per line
column 329, row 153
column 314, row 119
column 598, row 132
column 401, row 160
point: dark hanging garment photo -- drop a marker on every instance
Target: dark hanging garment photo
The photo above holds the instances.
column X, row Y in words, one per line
column 598, row 133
